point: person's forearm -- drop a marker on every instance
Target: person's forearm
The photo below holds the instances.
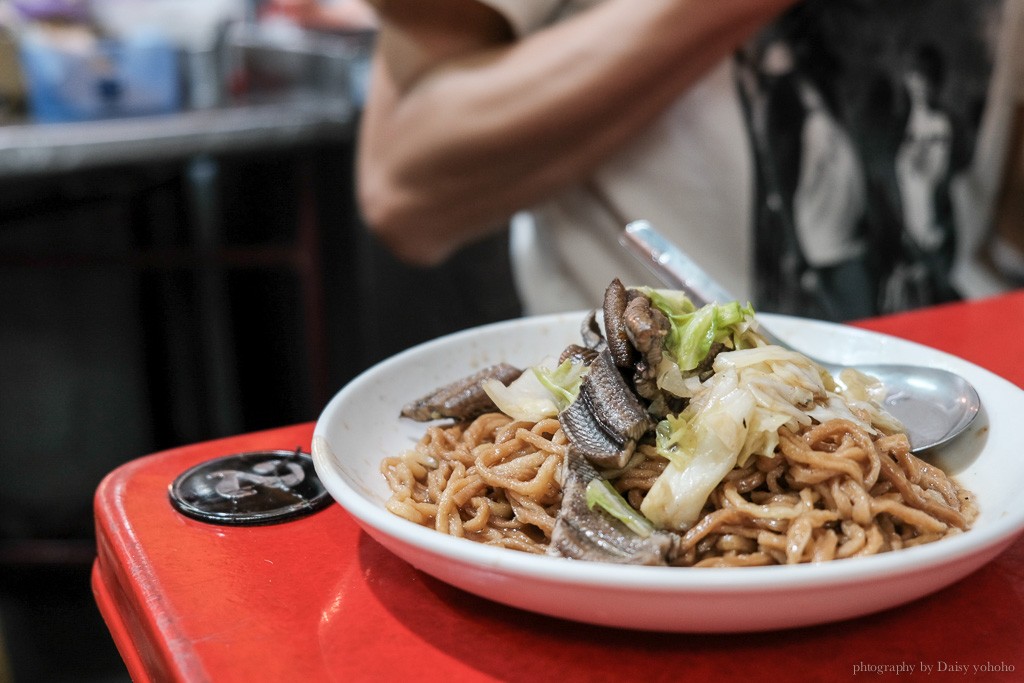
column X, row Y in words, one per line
column 473, row 140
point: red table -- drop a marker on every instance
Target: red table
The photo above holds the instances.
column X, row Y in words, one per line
column 315, row 599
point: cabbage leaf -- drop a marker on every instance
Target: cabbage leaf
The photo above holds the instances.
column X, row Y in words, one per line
column 539, row 393
column 693, row 331
column 736, row 414
column 602, row 494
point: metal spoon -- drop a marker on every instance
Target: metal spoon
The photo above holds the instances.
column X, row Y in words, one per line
column 934, row 405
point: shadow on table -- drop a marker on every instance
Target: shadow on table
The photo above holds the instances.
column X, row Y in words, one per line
column 514, row 645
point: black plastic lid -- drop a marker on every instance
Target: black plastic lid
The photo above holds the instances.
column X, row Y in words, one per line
column 250, row 489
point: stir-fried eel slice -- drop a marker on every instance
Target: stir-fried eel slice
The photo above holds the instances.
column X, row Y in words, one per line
column 584, row 534
column 646, row 328
column 463, row 399
column 615, row 299
column 577, row 354
column 606, row 419
column 587, row 435
column 590, row 331
column 706, row 367
column 614, row 403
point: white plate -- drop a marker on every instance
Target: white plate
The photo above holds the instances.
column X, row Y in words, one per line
column 360, row 426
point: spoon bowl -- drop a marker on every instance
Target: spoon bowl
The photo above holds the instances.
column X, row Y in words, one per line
column 934, row 405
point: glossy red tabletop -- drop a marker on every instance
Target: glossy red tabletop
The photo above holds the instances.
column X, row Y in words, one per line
column 315, row 599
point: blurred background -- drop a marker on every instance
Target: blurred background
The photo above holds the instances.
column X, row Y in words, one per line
column 180, row 259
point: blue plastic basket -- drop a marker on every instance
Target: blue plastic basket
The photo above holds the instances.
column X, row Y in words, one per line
column 130, row 77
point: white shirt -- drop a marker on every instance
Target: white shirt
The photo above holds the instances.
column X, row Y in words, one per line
column 691, row 175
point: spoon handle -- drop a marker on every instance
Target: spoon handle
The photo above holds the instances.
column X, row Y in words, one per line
column 673, row 267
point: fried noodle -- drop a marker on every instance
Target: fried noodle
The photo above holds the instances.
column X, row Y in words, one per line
column 831, row 491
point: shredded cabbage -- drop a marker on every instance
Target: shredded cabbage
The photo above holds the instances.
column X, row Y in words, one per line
column 602, row 494
column 737, row 413
column 563, row 382
column 693, row 332
column 702, row 445
column 539, row 393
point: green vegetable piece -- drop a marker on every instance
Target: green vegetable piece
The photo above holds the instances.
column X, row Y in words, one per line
column 602, row 494
column 695, row 330
column 675, row 440
column 563, row 382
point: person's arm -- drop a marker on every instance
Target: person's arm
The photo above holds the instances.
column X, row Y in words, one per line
column 464, row 125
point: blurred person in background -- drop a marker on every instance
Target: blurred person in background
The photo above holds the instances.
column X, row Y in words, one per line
column 576, row 117
column 336, row 15
column 924, row 169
